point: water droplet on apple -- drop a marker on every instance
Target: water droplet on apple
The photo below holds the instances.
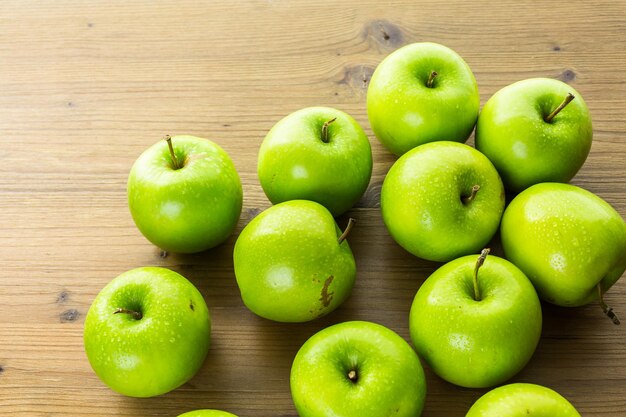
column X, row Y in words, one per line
column 558, row 262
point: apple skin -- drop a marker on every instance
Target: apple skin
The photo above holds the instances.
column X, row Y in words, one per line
column 207, row 413
column 295, row 164
column 421, row 201
column 522, row 400
column 389, row 377
column 476, row 344
column 160, row 351
column 524, row 148
column 404, row 112
column 567, row 240
column 289, row 265
column 190, row 209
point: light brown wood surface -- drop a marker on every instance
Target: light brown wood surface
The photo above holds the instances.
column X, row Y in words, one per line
column 85, row 87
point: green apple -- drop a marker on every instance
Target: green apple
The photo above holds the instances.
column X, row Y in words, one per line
column 147, row 332
column 319, row 154
column 522, row 400
column 422, row 92
column 442, row 200
column 186, row 197
column 533, row 132
column 292, row 263
column 476, row 323
column 207, row 413
column 568, row 241
column 357, row 369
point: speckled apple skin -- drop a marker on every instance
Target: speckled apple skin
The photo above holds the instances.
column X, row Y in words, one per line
column 522, row 400
column 390, row 382
column 421, row 201
column 190, row 209
column 476, row 344
column 295, row 164
column 159, row 352
column 524, row 148
column 405, row 113
column 289, row 265
column 567, row 240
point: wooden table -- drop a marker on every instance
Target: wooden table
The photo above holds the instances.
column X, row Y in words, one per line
column 85, row 87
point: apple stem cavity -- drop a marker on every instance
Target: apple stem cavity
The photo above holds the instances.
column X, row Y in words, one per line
column 325, row 129
column 469, row 198
column 479, row 262
column 345, row 233
column 556, row 111
column 353, row 376
column 431, row 79
column 605, row 308
column 135, row 314
column 168, row 139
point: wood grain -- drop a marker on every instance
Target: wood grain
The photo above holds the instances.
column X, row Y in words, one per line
column 85, row 87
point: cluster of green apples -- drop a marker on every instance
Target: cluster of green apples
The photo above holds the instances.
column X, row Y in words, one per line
column 475, row 321
column 443, row 200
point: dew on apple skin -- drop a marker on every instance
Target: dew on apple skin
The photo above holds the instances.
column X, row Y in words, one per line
column 127, row 361
column 558, row 262
column 460, row 342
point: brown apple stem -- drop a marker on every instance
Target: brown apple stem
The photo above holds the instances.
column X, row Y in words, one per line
column 479, row 262
column 352, row 375
column 605, row 308
column 345, row 233
column 431, row 79
column 325, row 130
column 168, row 139
column 468, row 199
column 135, row 314
column 556, row 111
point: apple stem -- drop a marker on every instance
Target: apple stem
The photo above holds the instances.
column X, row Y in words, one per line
column 431, row 79
column 345, row 233
column 135, row 314
column 605, row 308
column 556, row 111
column 479, row 262
column 325, row 129
column 168, row 139
column 352, row 375
column 468, row 199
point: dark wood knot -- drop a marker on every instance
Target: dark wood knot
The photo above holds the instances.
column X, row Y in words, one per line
column 567, row 76
column 69, row 315
column 383, row 33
